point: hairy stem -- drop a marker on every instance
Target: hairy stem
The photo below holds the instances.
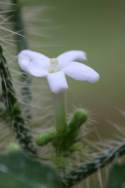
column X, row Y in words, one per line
column 21, row 42
column 88, row 169
column 13, row 108
column 18, row 26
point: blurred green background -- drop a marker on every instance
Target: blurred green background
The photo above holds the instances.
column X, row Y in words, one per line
column 98, row 28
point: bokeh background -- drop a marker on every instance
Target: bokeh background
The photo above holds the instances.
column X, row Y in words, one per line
column 98, row 28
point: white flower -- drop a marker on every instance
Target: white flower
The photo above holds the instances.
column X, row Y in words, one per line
column 55, row 69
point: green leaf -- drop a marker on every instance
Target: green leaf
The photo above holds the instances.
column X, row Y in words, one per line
column 18, row 170
column 117, row 176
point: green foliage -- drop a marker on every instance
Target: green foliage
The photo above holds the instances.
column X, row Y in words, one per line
column 19, row 170
column 65, row 140
column 117, row 176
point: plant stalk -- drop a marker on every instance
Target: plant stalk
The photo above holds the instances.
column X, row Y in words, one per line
column 13, row 109
column 22, row 44
column 60, row 112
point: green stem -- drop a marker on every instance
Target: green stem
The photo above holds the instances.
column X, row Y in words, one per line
column 60, row 112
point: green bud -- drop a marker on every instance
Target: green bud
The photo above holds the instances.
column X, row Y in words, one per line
column 45, row 138
column 79, row 118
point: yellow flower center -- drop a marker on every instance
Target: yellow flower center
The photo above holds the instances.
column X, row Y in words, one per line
column 54, row 65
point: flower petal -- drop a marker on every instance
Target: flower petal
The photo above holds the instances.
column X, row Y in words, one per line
column 57, row 82
column 33, row 62
column 79, row 71
column 67, row 57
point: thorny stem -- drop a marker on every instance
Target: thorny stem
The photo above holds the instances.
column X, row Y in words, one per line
column 13, row 108
column 88, row 169
column 21, row 42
